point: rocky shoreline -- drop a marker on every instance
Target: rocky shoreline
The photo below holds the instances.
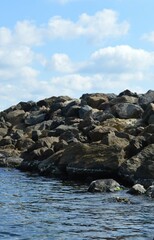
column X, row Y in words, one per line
column 100, row 135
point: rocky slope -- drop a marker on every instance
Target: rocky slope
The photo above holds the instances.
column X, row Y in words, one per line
column 96, row 136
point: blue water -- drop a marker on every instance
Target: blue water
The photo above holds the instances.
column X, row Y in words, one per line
column 37, row 208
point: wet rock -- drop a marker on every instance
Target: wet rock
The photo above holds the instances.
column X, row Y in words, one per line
column 104, row 185
column 150, row 191
column 137, row 189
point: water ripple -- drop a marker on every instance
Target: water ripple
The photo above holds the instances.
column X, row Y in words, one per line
column 37, row 208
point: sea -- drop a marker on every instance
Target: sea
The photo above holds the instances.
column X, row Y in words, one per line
column 33, row 207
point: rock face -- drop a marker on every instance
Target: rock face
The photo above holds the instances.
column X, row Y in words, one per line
column 104, row 136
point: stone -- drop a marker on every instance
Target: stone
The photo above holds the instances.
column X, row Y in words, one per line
column 150, row 191
column 35, row 118
column 104, row 185
column 3, row 131
column 94, row 100
column 127, row 110
column 15, row 117
column 140, row 166
column 146, row 98
column 137, row 189
column 85, row 160
column 148, row 114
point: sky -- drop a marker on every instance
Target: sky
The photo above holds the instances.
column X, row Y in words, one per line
column 71, row 47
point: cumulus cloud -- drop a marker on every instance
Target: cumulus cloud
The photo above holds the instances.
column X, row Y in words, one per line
column 26, row 74
column 121, row 58
column 98, row 27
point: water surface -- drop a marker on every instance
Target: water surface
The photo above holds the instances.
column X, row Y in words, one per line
column 37, row 208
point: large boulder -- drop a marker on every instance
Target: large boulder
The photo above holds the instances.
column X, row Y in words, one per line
column 34, row 118
column 15, row 117
column 94, row 100
column 104, row 185
column 96, row 160
column 127, row 110
column 146, row 98
column 140, row 166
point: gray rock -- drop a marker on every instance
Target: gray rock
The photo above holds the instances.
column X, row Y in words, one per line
column 140, row 166
column 127, row 110
column 35, row 118
column 147, row 98
column 137, row 189
column 104, row 185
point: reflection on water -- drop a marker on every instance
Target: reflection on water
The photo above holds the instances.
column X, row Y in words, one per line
column 38, row 208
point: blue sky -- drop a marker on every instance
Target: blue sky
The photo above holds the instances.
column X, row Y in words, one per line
column 70, row 47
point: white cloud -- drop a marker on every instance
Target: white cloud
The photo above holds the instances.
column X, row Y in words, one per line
column 149, row 37
column 27, row 33
column 121, row 58
column 102, row 25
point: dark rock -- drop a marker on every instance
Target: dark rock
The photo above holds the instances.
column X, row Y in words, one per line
column 104, row 185
column 147, row 98
column 140, row 166
column 128, row 93
column 148, row 116
column 127, row 110
column 35, row 135
column 85, row 160
column 35, row 118
column 150, row 191
column 84, row 110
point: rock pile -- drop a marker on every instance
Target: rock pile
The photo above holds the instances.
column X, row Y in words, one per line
column 96, row 136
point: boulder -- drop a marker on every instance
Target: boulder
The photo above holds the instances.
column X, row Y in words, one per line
column 94, row 100
column 124, row 99
column 127, row 92
column 127, row 110
column 3, row 131
column 137, row 189
column 146, row 98
column 140, row 166
column 150, row 191
column 35, row 118
column 104, row 185
column 148, row 115
column 15, row 117
column 96, row 160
